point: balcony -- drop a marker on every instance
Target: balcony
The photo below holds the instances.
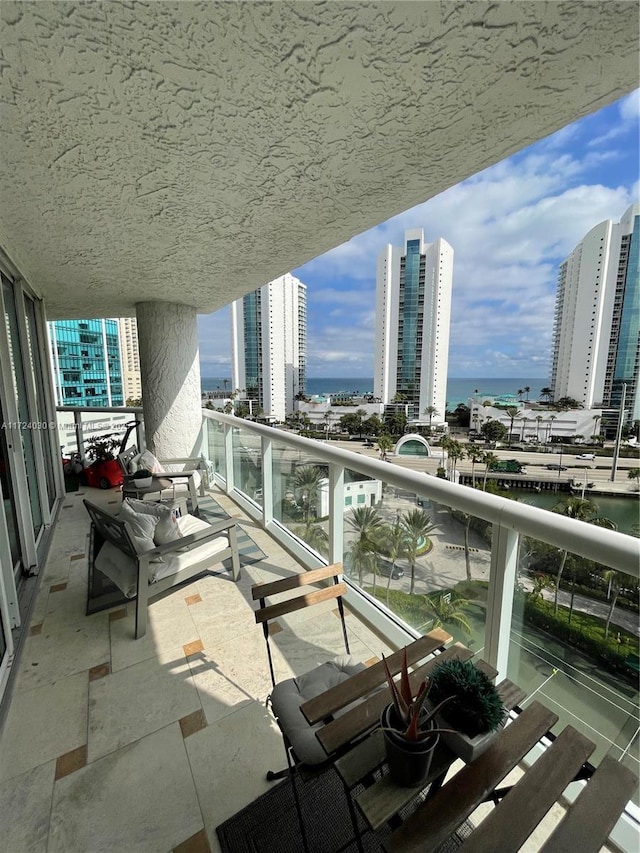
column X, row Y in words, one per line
column 151, row 744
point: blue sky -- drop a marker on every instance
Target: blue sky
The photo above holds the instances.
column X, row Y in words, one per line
column 510, row 226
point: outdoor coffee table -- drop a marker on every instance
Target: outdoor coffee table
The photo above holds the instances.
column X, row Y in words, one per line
column 359, row 758
column 162, row 483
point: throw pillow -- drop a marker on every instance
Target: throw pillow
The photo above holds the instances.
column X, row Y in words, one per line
column 167, row 529
column 133, row 463
column 150, row 462
column 141, row 527
column 146, row 507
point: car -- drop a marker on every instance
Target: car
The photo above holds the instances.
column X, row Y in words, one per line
column 368, row 444
column 386, row 568
column 589, row 456
column 555, row 467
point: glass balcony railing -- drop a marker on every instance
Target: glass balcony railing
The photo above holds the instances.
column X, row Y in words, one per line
column 419, row 552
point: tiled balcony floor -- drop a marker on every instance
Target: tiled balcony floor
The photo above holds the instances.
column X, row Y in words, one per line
column 145, row 746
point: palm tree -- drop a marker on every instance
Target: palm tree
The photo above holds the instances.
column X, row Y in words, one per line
column 527, row 391
column 475, row 455
column 520, row 392
column 361, row 413
column 395, row 541
column 613, row 578
column 551, row 420
column 489, row 459
column 456, row 451
column 448, row 610
column 327, row 421
column 306, row 482
column 524, row 426
column 511, row 412
column 417, row 526
column 583, row 510
column 385, row 444
column 366, row 522
column 546, row 392
column 362, row 560
column 539, row 420
column 314, row 535
column 430, row 411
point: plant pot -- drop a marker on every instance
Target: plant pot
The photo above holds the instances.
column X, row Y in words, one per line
column 465, row 747
column 142, row 482
column 409, row 761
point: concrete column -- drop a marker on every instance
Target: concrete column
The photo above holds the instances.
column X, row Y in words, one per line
column 170, row 372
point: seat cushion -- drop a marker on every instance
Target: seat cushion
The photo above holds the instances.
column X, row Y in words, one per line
column 289, row 695
column 123, row 570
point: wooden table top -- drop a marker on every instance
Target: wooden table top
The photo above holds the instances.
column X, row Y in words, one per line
column 585, row 826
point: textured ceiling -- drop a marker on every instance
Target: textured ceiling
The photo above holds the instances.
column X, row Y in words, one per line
column 193, row 151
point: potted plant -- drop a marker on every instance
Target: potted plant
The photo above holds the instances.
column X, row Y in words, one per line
column 474, row 711
column 143, row 478
column 408, row 725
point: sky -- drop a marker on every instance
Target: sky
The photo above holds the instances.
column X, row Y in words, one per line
column 510, row 226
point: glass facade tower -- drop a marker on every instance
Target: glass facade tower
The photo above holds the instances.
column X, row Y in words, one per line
column 87, row 369
column 413, row 310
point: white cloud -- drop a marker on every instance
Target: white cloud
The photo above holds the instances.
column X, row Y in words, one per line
column 509, row 226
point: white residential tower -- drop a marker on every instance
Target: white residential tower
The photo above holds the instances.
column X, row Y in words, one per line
column 413, row 311
column 596, row 333
column 269, row 345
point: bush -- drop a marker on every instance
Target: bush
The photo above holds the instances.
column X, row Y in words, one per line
column 586, row 633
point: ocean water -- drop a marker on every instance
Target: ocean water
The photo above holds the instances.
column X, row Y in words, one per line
column 458, row 390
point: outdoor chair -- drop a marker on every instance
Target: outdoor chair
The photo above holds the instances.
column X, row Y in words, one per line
column 145, row 550
column 302, row 748
column 184, row 476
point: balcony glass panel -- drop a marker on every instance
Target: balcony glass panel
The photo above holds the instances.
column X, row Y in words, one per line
column 409, row 553
column 301, row 495
column 215, row 443
column 247, row 463
column 583, row 668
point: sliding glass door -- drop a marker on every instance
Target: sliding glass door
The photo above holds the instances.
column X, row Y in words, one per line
column 20, row 431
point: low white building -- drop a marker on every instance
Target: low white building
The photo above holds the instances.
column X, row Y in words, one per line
column 359, row 494
column 537, row 424
column 322, row 415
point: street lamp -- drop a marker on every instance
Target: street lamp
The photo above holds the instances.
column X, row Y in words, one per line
column 560, row 463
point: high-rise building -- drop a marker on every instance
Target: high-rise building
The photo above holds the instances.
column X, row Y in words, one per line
column 85, row 355
column 597, row 325
column 413, row 311
column 131, row 381
column 269, row 345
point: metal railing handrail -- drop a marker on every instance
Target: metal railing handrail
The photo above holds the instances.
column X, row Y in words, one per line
column 609, row 547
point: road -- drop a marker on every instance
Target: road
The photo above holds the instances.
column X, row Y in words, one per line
column 598, row 471
column 621, row 616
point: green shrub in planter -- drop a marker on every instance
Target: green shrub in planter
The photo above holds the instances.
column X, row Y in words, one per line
column 476, row 706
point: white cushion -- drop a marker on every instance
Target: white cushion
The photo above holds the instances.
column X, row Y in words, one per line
column 141, row 527
column 133, row 463
column 166, row 529
column 150, row 462
column 119, row 568
column 123, row 571
column 289, row 695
